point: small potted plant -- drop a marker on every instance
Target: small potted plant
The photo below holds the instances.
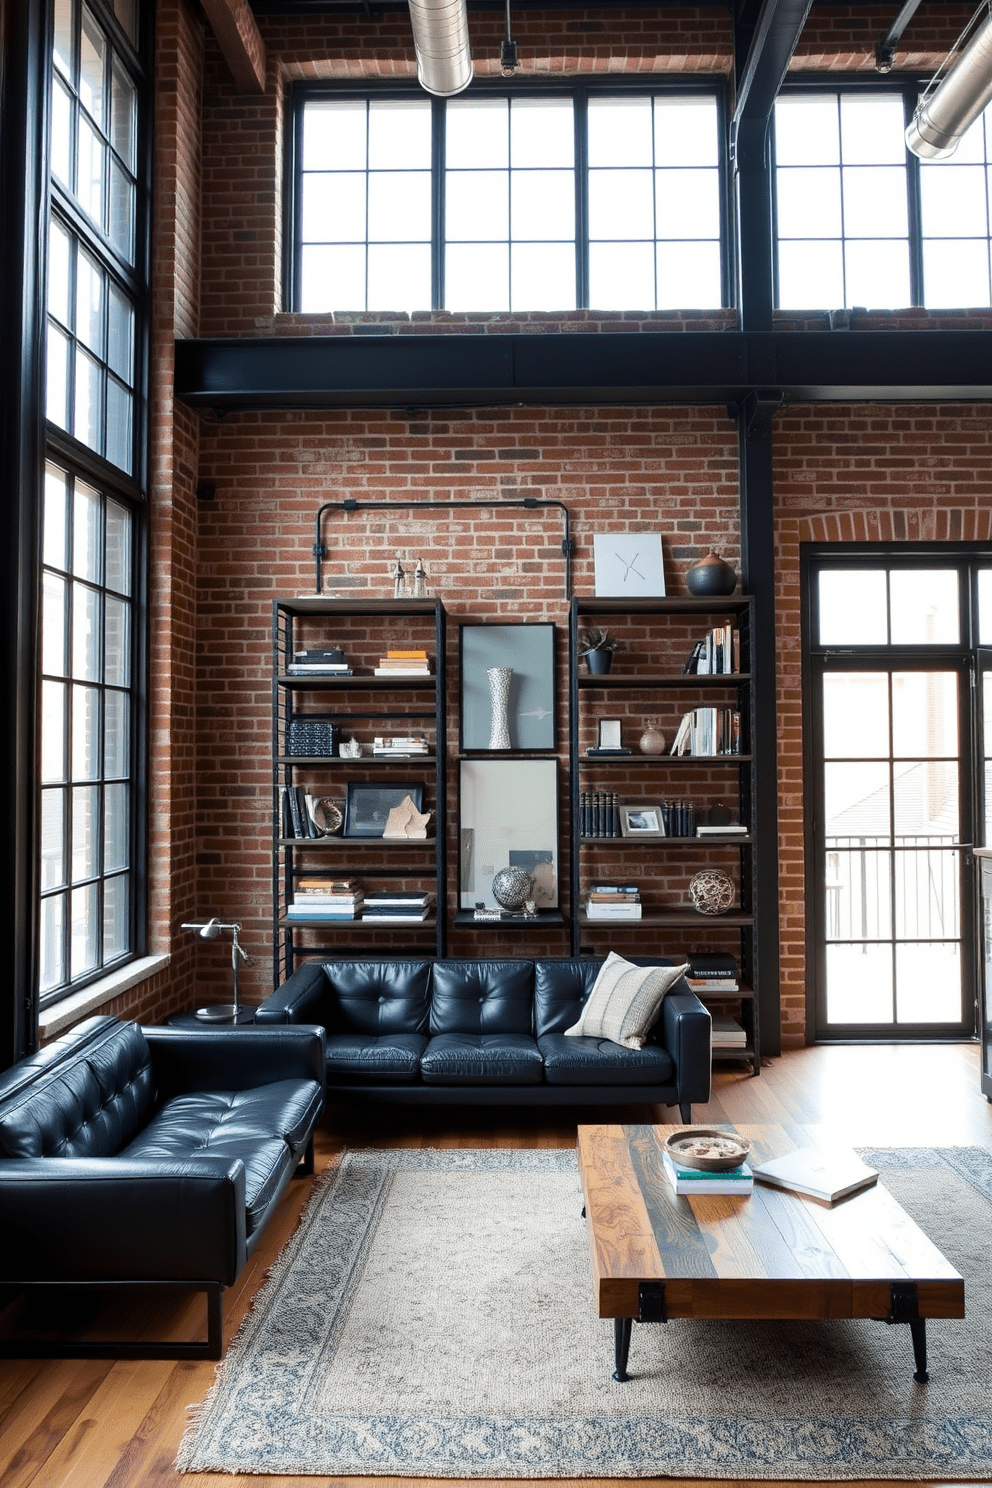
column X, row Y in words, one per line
column 598, row 646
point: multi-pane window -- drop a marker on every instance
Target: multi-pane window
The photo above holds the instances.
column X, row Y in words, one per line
column 87, row 805
column 497, row 203
column 841, row 201
column 97, row 299
column 860, row 221
column 956, row 217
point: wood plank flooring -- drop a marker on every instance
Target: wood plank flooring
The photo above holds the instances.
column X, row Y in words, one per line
column 105, row 1424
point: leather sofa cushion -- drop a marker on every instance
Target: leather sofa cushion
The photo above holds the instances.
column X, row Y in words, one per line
column 377, row 997
column 392, row 1056
column 561, row 990
column 483, row 997
column 482, row 1059
column 90, row 1107
column 264, row 1127
column 599, row 1061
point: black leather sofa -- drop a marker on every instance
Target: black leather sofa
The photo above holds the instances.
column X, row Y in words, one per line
column 488, row 1032
column 136, row 1156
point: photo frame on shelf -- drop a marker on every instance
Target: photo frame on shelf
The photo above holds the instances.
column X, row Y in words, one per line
column 628, row 563
column 368, row 804
column 524, row 705
column 641, row 819
column 610, row 733
column 508, row 818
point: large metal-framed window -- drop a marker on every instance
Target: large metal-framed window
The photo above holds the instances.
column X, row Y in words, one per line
column 547, row 199
column 860, row 220
column 897, row 785
column 91, row 773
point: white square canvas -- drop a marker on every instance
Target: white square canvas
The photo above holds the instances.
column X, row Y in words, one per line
column 628, row 563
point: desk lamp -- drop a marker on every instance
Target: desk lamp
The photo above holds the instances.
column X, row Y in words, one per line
column 222, row 1012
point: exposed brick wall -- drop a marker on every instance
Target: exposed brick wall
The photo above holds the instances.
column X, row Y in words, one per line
column 668, row 470
column 856, row 474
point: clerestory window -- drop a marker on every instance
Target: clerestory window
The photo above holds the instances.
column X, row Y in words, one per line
column 492, row 202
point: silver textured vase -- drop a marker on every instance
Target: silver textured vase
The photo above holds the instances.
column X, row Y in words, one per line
column 499, row 691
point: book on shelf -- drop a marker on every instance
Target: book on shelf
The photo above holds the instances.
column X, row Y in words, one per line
column 717, row 653
column 387, row 916
column 727, row 1033
column 698, row 1181
column 619, row 911
column 394, row 669
column 712, row 964
column 825, row 1176
column 608, row 896
column 333, row 654
column 599, row 813
column 609, row 888
column 322, row 883
column 398, row 653
column 328, row 669
column 296, row 911
column 331, row 901
column 732, row 829
column 708, row 731
column 713, row 984
column 597, row 753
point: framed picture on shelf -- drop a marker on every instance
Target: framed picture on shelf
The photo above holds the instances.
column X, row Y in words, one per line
column 507, row 818
column 640, row 820
column 609, row 733
column 628, row 563
column 368, row 804
column 514, row 710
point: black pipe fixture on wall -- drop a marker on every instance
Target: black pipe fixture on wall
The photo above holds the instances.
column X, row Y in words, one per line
column 528, row 503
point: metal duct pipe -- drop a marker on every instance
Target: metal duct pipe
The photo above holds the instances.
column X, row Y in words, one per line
column 942, row 118
column 440, row 38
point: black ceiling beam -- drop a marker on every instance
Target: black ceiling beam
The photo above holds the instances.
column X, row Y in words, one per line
column 599, row 368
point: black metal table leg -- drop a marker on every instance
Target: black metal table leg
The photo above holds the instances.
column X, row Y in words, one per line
column 621, row 1337
column 918, row 1329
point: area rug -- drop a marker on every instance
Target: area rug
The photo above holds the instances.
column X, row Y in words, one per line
column 433, row 1317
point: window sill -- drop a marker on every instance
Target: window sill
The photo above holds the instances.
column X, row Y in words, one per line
column 61, row 1015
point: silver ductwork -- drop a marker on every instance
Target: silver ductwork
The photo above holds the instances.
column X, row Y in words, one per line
column 944, row 115
column 440, row 38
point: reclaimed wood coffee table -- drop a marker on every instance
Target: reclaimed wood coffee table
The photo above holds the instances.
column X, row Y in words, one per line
column 656, row 1255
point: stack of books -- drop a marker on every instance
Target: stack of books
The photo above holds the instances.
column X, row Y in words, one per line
column 727, row 1033
column 297, row 813
column 404, row 664
column 708, row 731
column 712, row 971
column 320, row 898
column 614, row 902
column 331, row 662
column 397, row 906
column 398, row 746
column 599, row 813
column 695, row 1182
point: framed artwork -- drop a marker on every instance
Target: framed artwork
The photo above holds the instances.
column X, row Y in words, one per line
column 507, row 818
column 368, row 804
column 628, row 563
column 609, row 733
column 639, row 819
column 515, row 712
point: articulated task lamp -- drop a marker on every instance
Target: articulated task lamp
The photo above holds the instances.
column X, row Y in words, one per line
column 222, row 1012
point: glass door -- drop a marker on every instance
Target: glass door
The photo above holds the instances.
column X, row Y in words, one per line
column 891, row 798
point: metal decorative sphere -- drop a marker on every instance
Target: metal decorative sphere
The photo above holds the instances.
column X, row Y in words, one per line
column 711, row 892
column 512, row 887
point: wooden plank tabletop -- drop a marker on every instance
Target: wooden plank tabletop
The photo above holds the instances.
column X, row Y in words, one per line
column 770, row 1255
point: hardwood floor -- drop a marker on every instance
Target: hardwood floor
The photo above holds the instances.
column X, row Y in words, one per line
column 104, row 1424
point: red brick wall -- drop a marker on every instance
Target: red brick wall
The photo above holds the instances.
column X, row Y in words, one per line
column 856, row 474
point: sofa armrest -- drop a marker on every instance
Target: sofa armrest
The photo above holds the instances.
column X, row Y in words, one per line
column 108, row 1218
column 302, row 998
column 197, row 1059
column 685, row 1030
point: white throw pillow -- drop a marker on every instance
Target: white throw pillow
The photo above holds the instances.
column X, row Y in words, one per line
column 624, row 1001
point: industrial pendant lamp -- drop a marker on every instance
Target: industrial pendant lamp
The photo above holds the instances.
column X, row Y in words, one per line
column 440, row 39
column 951, row 105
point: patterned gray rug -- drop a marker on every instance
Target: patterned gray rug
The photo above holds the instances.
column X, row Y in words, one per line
column 433, row 1317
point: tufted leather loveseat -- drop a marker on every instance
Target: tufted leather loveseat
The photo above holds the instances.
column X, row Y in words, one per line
column 488, row 1031
column 151, row 1155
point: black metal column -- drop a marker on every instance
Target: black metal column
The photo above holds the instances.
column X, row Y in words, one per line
column 23, row 191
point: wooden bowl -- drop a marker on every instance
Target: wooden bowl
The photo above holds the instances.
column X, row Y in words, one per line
column 706, row 1148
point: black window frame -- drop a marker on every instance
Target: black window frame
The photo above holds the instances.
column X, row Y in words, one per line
column 129, row 488
column 910, row 88
column 300, row 93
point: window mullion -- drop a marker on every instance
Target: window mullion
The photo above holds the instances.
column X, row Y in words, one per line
column 439, row 120
column 581, row 126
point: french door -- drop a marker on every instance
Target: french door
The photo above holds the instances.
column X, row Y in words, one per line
column 897, row 779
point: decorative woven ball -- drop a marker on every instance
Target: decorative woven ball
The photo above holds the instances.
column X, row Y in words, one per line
column 512, row 887
column 711, row 892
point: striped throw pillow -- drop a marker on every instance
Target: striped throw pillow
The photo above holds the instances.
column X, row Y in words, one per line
column 624, row 1001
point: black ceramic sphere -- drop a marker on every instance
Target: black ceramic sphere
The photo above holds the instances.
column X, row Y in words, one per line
column 711, row 577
